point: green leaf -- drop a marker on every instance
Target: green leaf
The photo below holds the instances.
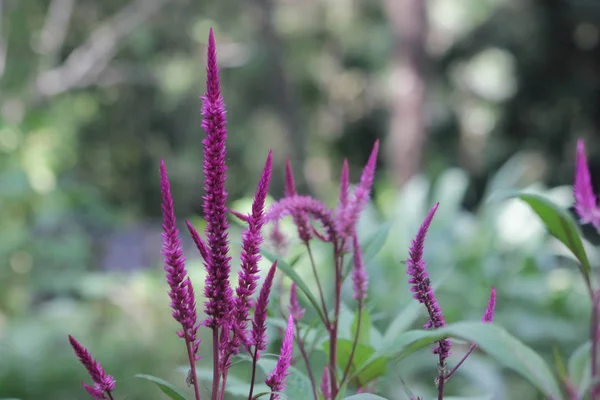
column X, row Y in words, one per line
column 365, row 327
column 559, row 364
column 167, row 388
column 371, row 246
column 579, row 366
column 494, row 340
column 371, row 366
column 235, row 386
column 562, row 226
column 289, row 271
column 365, row 396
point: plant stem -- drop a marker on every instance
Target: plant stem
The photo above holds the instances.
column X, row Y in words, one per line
column 441, row 380
column 224, row 384
column 595, row 336
column 473, row 346
column 354, row 344
column 216, row 375
column 192, row 359
column 335, row 322
column 306, row 361
column 110, row 396
column 254, row 360
column 314, row 269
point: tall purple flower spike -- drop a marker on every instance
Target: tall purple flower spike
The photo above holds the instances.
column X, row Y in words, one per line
column 259, row 327
column 183, row 302
column 325, row 388
column 488, row 316
column 359, row 276
column 276, row 379
column 586, row 203
column 348, row 216
column 295, row 309
column 217, row 290
column 251, row 241
column 103, row 383
column 300, row 218
column 421, row 285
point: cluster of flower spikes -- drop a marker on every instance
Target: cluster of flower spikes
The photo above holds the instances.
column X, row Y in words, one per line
column 586, row 202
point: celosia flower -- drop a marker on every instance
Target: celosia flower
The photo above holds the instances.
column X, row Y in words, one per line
column 259, row 327
column 183, row 302
column 325, row 388
column 421, row 285
column 276, row 380
column 103, row 383
column 251, row 241
column 348, row 217
column 300, row 218
column 344, row 186
column 217, row 289
column 488, row 316
column 278, row 239
column 359, row 276
column 586, row 203
column 295, row 309
column 197, row 241
column 307, row 205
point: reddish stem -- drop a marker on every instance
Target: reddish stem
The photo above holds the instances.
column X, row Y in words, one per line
column 333, row 329
column 254, row 360
column 473, row 346
column 216, row 375
column 306, row 361
column 192, row 359
column 224, row 384
column 314, row 269
column 441, row 380
column 354, row 344
column 595, row 336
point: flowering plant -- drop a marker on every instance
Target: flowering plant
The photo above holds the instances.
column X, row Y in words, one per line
column 355, row 360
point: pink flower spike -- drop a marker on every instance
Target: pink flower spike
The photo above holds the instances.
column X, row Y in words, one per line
column 585, row 201
column 259, row 327
column 325, row 388
column 200, row 245
column 300, row 218
column 217, row 289
column 290, row 185
column 308, row 206
column 344, row 186
column 276, row 380
column 488, row 316
column 103, row 383
column 359, row 275
column 348, row 218
column 295, row 310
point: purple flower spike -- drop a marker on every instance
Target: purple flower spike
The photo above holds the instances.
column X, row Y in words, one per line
column 325, row 384
column 251, row 241
column 295, row 310
column 259, row 328
column 585, row 201
column 421, row 285
column 359, row 275
column 276, row 380
column 217, row 289
column 348, row 217
column 181, row 293
column 488, row 317
column 344, row 186
column 300, row 218
column 306, row 205
column 198, row 241
column 103, row 383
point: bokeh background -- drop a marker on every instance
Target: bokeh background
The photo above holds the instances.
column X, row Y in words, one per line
column 470, row 98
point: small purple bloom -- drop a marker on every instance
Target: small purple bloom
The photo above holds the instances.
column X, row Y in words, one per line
column 307, row 205
column 183, row 302
column 197, row 241
column 586, row 203
column 217, row 289
column 103, row 383
column 276, row 380
column 488, row 316
column 421, row 285
column 300, row 218
column 259, row 327
column 344, row 186
column 325, row 389
column 295, row 309
column 359, row 276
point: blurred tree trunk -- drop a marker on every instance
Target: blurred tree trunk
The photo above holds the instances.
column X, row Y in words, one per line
column 408, row 19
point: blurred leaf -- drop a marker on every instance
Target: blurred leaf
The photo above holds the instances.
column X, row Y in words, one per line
column 371, row 246
column 559, row 364
column 495, row 341
column 561, row 225
column 373, row 366
column 365, row 396
column 579, row 366
column 365, row 327
column 167, row 388
column 289, row 271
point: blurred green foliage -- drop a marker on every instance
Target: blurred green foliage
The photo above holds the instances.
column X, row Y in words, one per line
column 93, row 94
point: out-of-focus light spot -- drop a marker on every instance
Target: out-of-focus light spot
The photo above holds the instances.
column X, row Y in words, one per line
column 21, row 262
column 36, row 161
column 490, row 75
column 517, row 225
column 9, row 139
column 560, row 279
column 479, row 120
column 318, row 170
column 13, row 111
column 586, row 36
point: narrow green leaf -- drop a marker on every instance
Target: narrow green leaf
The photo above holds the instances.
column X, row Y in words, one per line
column 289, row 271
column 371, row 246
column 559, row 364
column 579, row 366
column 365, row 327
column 494, row 340
column 561, row 225
column 167, row 388
column 371, row 365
